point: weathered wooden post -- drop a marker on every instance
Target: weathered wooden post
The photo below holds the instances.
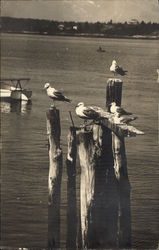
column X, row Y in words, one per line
column 88, row 148
column 104, row 185
column 114, row 94
column 71, row 190
column 123, row 185
column 54, row 178
column 97, row 188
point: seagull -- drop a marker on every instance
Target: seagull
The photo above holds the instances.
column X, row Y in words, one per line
column 90, row 112
column 54, row 94
column 120, row 119
column 116, row 69
column 117, row 109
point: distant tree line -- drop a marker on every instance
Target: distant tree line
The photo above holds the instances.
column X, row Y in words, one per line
column 51, row 27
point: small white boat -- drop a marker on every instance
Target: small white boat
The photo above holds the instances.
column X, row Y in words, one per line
column 11, row 89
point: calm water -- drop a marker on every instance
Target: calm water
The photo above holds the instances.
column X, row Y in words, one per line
column 74, row 66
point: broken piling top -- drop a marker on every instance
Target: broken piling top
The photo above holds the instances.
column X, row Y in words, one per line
column 113, row 92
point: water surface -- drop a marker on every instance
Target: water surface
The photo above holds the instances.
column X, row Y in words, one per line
column 74, row 66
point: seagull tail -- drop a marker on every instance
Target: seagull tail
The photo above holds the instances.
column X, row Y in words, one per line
column 121, row 71
column 67, row 100
column 127, row 113
column 133, row 118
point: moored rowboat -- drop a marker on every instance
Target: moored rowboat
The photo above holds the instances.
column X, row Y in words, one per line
column 11, row 92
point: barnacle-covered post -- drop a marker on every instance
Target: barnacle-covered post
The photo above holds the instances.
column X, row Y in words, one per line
column 54, row 178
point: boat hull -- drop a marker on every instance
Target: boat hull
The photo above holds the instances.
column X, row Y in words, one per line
column 5, row 93
column 16, row 94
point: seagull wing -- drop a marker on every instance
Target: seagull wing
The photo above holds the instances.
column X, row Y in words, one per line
column 127, row 119
column 102, row 113
column 96, row 108
column 120, row 71
column 91, row 113
column 59, row 96
column 121, row 111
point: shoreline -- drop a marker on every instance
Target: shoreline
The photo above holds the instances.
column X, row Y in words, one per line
column 86, row 35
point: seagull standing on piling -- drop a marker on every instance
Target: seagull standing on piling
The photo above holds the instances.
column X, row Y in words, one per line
column 54, row 94
column 90, row 112
column 116, row 69
column 87, row 113
column 117, row 109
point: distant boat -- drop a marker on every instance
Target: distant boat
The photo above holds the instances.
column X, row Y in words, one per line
column 11, row 89
column 100, row 49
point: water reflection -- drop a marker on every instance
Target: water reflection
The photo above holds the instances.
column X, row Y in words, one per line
column 16, row 106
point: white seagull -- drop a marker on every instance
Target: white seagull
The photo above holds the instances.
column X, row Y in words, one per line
column 116, row 69
column 90, row 112
column 120, row 119
column 117, row 109
column 54, row 94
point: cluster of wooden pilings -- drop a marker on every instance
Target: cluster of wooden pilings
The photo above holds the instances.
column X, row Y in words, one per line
column 104, row 220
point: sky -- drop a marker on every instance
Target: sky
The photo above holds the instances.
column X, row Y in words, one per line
column 83, row 10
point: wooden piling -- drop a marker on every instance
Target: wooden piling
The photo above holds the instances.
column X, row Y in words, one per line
column 114, row 94
column 71, row 190
column 88, row 144
column 123, row 187
column 104, row 184
column 97, row 189
column 54, row 178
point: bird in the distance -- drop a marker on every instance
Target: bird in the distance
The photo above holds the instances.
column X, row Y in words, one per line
column 117, row 109
column 90, row 112
column 116, row 69
column 55, row 95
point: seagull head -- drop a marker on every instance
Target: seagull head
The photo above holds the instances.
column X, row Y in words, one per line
column 113, row 104
column 47, row 85
column 114, row 62
column 80, row 104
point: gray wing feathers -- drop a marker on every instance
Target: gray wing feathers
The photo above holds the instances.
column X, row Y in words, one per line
column 59, row 96
column 91, row 113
